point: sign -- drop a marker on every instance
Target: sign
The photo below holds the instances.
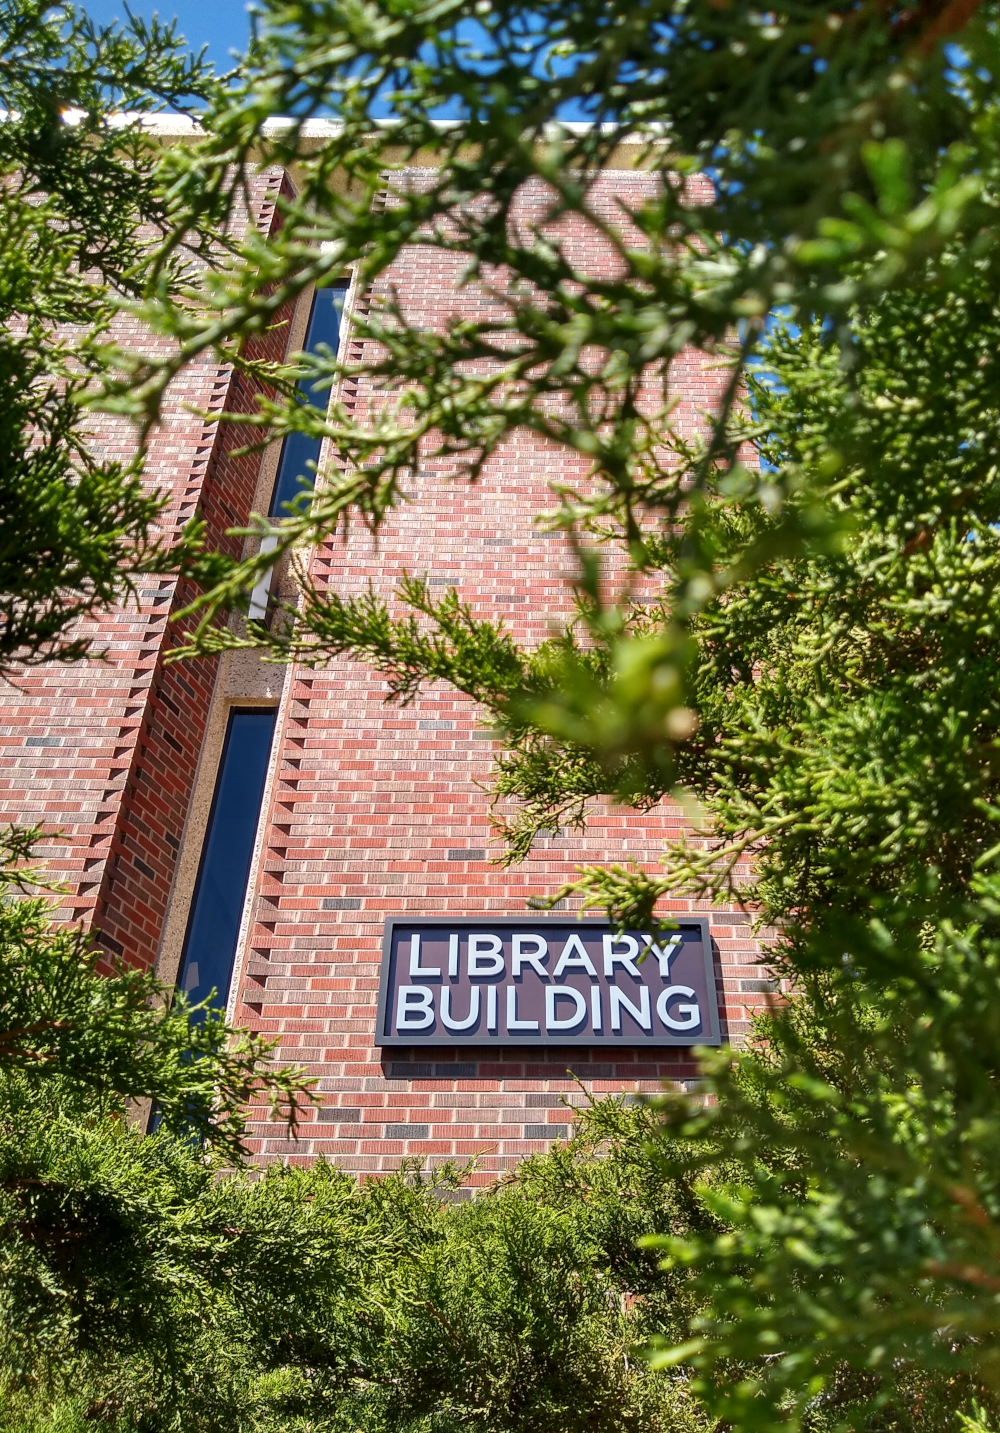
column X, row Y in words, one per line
column 462, row 981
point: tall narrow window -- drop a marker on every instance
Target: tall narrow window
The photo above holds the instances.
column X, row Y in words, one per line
column 220, row 891
column 298, row 451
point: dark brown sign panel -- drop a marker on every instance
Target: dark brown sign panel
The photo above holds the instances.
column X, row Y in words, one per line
column 463, row 981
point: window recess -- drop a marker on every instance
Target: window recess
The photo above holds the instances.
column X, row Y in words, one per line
column 209, row 951
column 294, row 474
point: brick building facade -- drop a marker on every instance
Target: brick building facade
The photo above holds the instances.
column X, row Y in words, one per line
column 369, row 810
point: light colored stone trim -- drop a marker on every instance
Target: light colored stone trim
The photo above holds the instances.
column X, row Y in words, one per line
column 263, row 826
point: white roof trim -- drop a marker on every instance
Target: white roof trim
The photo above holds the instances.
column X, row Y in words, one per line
column 170, row 124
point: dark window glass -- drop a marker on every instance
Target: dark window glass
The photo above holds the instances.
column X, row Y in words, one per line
column 298, row 451
column 219, row 893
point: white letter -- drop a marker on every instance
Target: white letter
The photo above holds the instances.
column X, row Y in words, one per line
column 641, row 1016
column 664, row 953
column 513, row 1024
column 533, row 958
column 690, row 1013
column 485, row 955
column 582, row 961
column 558, row 992
column 595, row 1007
column 627, row 960
column 416, row 969
column 414, row 1007
column 469, row 1020
column 491, row 1009
column 453, row 956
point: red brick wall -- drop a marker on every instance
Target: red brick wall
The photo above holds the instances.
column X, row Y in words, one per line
column 373, row 803
column 375, row 809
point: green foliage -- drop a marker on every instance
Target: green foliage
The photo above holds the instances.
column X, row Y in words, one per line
column 304, row 1300
column 862, row 1229
column 81, row 207
column 102, row 1039
column 92, row 1212
column 847, row 704
column 975, row 1422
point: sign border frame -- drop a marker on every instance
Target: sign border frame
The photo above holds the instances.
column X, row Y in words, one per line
column 713, row 1037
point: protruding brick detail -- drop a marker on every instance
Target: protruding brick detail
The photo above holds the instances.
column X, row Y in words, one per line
column 119, row 785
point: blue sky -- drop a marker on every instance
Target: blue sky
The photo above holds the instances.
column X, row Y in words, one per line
column 223, row 25
column 220, row 24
